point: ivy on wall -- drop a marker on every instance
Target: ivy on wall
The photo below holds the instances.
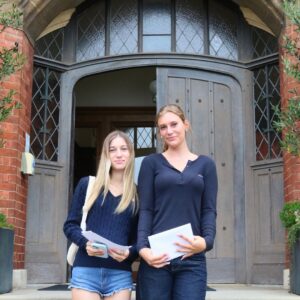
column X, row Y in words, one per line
column 289, row 117
column 11, row 60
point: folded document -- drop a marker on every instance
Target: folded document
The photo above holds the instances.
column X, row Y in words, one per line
column 94, row 237
column 164, row 242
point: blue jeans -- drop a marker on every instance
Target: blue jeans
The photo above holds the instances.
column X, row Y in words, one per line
column 181, row 280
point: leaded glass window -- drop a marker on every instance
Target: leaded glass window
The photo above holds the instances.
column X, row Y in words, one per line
column 45, row 114
column 156, row 26
column 143, row 139
column 51, row 45
column 116, row 27
column 189, row 27
column 222, row 31
column 124, row 27
column 266, row 95
column 91, row 32
column 263, row 43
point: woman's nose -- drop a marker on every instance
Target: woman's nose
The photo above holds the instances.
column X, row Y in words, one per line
column 119, row 152
column 169, row 130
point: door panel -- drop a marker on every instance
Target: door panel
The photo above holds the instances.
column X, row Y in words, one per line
column 207, row 103
column 45, row 259
column 268, row 242
column 199, row 114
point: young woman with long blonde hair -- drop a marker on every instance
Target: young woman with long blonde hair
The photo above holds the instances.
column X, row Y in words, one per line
column 112, row 213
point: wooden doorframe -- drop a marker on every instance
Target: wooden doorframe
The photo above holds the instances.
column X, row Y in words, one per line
column 235, row 70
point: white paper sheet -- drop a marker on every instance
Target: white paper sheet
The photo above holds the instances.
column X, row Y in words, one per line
column 164, row 242
column 94, row 237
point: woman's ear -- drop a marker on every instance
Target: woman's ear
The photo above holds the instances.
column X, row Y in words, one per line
column 187, row 125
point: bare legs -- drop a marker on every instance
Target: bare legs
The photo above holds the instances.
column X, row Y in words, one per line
column 78, row 294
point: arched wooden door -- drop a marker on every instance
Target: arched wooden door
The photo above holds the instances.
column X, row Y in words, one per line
column 211, row 103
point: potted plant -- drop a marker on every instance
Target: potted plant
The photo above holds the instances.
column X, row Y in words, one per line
column 290, row 218
column 6, row 254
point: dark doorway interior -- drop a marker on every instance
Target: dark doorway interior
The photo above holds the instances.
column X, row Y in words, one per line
column 123, row 99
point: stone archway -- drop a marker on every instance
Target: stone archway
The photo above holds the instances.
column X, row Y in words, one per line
column 35, row 20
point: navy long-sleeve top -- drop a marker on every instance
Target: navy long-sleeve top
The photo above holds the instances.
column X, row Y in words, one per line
column 119, row 228
column 170, row 198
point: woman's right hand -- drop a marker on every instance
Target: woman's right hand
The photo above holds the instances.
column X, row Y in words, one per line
column 91, row 251
column 156, row 261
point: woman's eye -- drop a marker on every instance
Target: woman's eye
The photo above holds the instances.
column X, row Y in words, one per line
column 112, row 149
column 162, row 127
column 174, row 124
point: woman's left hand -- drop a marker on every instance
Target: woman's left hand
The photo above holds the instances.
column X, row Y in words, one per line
column 192, row 246
column 118, row 255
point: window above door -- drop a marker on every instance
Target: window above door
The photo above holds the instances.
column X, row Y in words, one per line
column 198, row 27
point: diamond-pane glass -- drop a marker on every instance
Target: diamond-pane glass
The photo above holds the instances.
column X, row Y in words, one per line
column 141, row 137
column 222, row 31
column 130, row 133
column 266, row 95
column 189, row 27
column 45, row 114
column 144, row 137
column 91, row 32
column 124, row 27
column 263, row 43
column 50, row 45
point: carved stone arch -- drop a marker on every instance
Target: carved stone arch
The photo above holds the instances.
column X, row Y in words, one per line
column 38, row 14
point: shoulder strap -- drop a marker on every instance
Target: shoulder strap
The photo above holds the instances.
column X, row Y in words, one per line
column 88, row 192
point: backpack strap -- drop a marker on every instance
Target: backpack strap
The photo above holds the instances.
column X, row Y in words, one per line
column 88, row 192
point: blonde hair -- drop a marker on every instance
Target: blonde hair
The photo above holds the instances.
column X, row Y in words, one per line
column 102, row 180
column 171, row 108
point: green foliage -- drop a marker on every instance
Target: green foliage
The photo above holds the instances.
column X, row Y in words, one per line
column 288, row 118
column 4, row 223
column 11, row 60
column 12, row 17
column 292, row 10
column 288, row 122
column 290, row 218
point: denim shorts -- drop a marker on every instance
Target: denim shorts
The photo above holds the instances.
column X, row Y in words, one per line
column 105, row 282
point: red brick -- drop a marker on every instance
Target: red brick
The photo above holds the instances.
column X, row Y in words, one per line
column 6, row 204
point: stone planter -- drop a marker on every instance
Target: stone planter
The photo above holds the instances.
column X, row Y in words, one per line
column 295, row 269
column 6, row 259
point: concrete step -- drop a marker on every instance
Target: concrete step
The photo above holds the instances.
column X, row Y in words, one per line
column 223, row 292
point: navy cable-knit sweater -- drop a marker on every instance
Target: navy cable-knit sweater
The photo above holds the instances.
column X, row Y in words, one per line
column 120, row 228
column 170, row 198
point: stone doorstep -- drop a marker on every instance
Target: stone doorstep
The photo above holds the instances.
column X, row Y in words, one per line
column 223, row 292
column 19, row 278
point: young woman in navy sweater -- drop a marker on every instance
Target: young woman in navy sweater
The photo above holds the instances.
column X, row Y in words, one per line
column 175, row 187
column 113, row 215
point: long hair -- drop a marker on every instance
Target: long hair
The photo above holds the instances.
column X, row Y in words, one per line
column 172, row 108
column 102, row 180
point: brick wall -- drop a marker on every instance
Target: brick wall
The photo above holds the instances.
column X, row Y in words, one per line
column 291, row 168
column 291, row 163
column 13, row 185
